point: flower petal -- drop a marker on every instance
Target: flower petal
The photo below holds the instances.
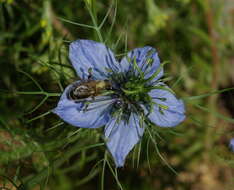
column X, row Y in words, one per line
column 168, row 111
column 75, row 113
column 122, row 136
column 143, row 57
column 86, row 54
column 231, row 144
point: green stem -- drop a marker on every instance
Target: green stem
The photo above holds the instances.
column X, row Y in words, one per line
column 30, row 183
column 96, row 27
column 37, row 93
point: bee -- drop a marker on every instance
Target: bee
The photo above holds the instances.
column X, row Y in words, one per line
column 89, row 88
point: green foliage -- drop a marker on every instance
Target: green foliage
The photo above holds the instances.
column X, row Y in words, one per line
column 38, row 151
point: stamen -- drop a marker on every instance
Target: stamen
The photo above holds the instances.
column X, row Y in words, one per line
column 163, row 106
column 150, row 52
column 149, row 63
column 156, row 72
column 99, row 106
column 129, row 92
column 162, row 99
column 163, row 88
column 108, row 70
column 136, row 67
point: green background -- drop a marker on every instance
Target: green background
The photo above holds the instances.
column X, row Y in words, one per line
column 39, row 151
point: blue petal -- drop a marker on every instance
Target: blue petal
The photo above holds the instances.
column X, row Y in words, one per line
column 231, row 144
column 173, row 112
column 96, row 115
column 122, row 136
column 86, row 54
column 142, row 56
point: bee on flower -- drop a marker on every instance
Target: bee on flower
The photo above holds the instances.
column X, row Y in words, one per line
column 123, row 96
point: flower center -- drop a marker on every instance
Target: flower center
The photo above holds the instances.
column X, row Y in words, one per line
column 133, row 87
column 132, row 91
column 135, row 90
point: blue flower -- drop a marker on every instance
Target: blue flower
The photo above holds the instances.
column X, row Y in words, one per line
column 124, row 96
column 231, row 144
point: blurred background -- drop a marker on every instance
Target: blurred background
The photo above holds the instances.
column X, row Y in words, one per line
column 39, row 151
